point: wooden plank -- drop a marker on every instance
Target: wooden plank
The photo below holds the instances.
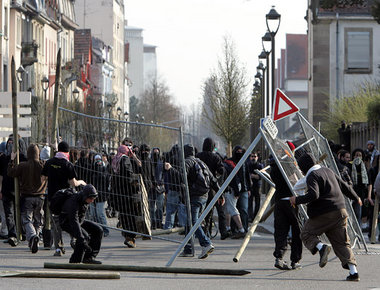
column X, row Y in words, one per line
column 23, row 98
column 60, row 274
column 21, row 111
column 202, row 271
column 24, row 122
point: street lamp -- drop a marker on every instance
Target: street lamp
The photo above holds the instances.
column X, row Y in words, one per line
column 126, row 114
column 100, row 110
column 262, row 68
column 266, row 43
column 20, row 72
column 109, row 109
column 273, row 20
column 45, row 86
column 118, row 124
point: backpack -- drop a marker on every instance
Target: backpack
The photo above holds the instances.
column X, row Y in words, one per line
column 202, row 181
column 59, row 198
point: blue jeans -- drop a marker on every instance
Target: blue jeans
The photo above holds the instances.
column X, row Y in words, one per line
column 32, row 215
column 173, row 205
column 97, row 213
column 242, row 206
column 156, row 207
column 197, row 203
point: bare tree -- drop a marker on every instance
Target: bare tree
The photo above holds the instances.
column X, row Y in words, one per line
column 157, row 106
column 225, row 98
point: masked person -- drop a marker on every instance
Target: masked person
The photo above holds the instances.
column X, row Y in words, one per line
column 7, row 191
column 327, row 214
column 88, row 234
column 156, row 203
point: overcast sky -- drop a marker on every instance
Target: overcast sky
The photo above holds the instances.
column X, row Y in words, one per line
column 189, row 35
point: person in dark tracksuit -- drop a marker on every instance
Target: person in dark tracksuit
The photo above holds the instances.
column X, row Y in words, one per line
column 285, row 217
column 88, row 234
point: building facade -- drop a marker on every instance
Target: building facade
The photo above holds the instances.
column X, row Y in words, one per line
column 343, row 46
column 135, row 43
column 106, row 20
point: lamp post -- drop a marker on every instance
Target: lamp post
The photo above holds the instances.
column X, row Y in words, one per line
column 262, row 68
column 20, row 72
column 76, row 98
column 266, row 42
column 45, row 86
column 126, row 125
column 273, row 20
column 100, row 112
column 109, row 109
column 118, row 124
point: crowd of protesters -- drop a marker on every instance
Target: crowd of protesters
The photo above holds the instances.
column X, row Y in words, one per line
column 116, row 178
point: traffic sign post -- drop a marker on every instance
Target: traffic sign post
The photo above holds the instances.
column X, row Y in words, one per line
column 283, row 106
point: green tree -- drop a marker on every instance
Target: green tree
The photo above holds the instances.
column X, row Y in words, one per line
column 363, row 106
column 225, row 98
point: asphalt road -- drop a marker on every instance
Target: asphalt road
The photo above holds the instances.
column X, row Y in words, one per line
column 257, row 259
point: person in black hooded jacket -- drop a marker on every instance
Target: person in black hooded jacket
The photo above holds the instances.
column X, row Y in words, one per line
column 215, row 164
column 7, row 187
column 88, row 234
column 197, row 199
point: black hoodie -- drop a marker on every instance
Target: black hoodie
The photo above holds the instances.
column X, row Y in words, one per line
column 212, row 160
column 8, row 182
column 325, row 189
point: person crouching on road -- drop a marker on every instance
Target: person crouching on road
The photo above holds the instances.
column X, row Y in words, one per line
column 327, row 213
column 88, row 234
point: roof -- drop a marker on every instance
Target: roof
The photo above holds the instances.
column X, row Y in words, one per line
column 356, row 9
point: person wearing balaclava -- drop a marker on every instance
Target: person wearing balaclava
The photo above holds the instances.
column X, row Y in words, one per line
column 327, row 214
column 175, row 190
column 7, row 187
column 285, row 218
column 215, row 164
column 88, row 234
column 156, row 203
column 241, row 189
column 198, row 198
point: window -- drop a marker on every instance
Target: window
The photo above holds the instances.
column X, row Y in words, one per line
column 18, row 30
column 358, row 50
column 6, row 21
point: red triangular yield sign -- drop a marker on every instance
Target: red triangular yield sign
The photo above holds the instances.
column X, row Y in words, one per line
column 283, row 106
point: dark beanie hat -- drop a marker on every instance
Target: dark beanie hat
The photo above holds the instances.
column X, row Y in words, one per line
column 305, row 162
column 89, row 191
column 63, row 147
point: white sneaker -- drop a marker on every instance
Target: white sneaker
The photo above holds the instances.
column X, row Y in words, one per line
column 206, row 251
column 58, row 253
